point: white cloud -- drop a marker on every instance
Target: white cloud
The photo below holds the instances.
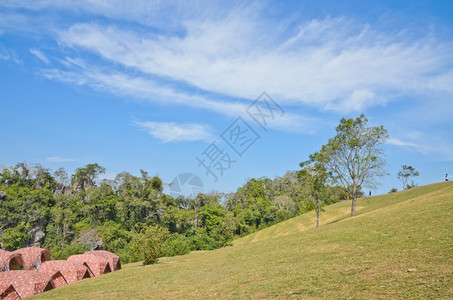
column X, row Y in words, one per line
column 330, row 63
column 41, row 56
column 13, row 21
column 58, row 159
column 233, row 51
column 148, row 12
column 138, row 86
column 146, row 88
column 172, row 132
column 398, row 142
column 430, row 145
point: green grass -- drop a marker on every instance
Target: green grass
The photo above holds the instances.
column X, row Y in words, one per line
column 364, row 257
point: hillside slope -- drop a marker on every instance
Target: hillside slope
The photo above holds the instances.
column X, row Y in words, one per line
column 367, row 256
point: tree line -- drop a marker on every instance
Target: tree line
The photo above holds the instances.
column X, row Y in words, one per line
column 132, row 216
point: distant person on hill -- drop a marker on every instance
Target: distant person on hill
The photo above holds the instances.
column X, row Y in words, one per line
column 446, row 177
column 369, row 194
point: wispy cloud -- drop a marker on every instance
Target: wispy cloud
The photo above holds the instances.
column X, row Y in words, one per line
column 235, row 52
column 172, row 132
column 142, row 87
column 330, row 63
column 9, row 55
column 41, row 56
column 147, row 12
column 58, row 159
column 80, row 73
column 406, row 144
column 398, row 142
column 429, row 145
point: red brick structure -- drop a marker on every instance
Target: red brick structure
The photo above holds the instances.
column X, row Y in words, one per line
column 114, row 260
column 58, row 278
column 96, row 264
column 10, row 261
column 26, row 283
column 71, row 271
column 8, row 292
column 33, row 257
column 41, row 274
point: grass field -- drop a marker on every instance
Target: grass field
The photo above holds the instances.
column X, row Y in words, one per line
column 399, row 246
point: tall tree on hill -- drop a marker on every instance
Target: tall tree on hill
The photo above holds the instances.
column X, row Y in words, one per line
column 405, row 173
column 354, row 157
column 314, row 179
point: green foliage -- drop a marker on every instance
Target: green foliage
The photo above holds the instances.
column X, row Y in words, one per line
column 15, row 238
column 113, row 236
column 315, row 180
column 131, row 216
column 354, row 157
column 84, row 177
column 202, row 240
column 53, row 238
column 176, row 244
column 405, row 173
column 147, row 246
column 63, row 252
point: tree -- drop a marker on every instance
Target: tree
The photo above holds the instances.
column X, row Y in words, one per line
column 285, row 207
column 405, row 173
column 61, row 176
column 314, row 179
column 354, row 157
column 18, row 175
column 83, row 178
column 42, row 178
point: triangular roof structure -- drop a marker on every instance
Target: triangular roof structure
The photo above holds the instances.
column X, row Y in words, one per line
column 27, row 283
column 33, row 257
column 71, row 271
column 114, row 260
column 8, row 292
column 10, row 260
column 58, row 279
column 96, row 264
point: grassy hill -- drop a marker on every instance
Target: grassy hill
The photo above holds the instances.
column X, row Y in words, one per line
column 399, row 245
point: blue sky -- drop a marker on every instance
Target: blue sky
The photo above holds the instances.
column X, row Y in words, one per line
column 157, row 84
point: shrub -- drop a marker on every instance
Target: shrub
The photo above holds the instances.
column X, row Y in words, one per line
column 147, row 246
column 176, row 245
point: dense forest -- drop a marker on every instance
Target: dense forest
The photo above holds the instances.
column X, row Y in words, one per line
column 131, row 216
